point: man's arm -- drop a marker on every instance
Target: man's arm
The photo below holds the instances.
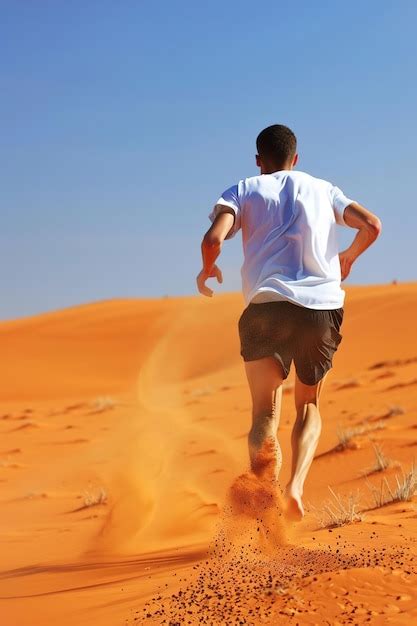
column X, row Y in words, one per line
column 369, row 228
column 211, row 247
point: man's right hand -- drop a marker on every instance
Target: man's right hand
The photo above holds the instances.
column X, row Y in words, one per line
column 215, row 272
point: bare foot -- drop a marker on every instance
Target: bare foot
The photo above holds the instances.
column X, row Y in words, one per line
column 295, row 510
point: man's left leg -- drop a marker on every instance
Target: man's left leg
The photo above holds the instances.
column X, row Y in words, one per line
column 265, row 378
column 304, row 440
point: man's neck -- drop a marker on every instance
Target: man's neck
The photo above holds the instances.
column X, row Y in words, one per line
column 270, row 169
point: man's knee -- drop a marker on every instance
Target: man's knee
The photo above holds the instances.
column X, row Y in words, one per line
column 301, row 404
column 308, row 394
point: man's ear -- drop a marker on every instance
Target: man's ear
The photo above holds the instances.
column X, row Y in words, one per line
column 258, row 160
column 295, row 160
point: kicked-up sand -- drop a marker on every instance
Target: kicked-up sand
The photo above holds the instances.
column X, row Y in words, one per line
column 125, row 492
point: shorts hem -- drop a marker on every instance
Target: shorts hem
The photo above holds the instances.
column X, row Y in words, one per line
column 313, row 380
column 266, row 355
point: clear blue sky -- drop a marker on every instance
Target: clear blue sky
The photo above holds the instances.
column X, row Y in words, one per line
column 122, row 122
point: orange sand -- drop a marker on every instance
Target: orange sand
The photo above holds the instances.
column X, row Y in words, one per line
column 123, row 429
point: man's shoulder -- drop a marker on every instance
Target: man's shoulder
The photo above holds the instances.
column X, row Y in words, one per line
column 252, row 180
column 307, row 178
column 260, row 181
column 295, row 174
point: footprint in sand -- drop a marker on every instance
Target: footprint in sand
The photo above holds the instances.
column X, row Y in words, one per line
column 409, row 383
column 27, row 426
column 387, row 374
column 69, row 441
column 75, row 407
column 349, row 384
column 393, row 363
column 204, row 452
column 79, row 440
column 32, row 495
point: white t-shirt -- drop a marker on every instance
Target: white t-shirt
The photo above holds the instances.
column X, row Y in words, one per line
column 288, row 221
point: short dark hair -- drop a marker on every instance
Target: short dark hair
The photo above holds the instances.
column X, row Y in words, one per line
column 277, row 143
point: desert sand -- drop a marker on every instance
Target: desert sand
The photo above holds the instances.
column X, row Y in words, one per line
column 125, row 496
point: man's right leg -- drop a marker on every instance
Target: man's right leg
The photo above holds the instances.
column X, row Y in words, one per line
column 265, row 378
column 304, row 440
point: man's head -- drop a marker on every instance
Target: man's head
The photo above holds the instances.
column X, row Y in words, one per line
column 277, row 149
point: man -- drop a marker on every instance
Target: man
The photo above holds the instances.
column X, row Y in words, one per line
column 291, row 278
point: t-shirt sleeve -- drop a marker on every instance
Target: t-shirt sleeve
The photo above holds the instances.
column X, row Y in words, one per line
column 229, row 199
column 339, row 203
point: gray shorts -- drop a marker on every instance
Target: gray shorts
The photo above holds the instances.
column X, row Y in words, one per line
column 289, row 332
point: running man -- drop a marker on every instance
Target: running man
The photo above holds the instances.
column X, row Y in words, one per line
column 291, row 277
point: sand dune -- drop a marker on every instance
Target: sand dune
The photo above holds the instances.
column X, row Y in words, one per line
column 123, row 430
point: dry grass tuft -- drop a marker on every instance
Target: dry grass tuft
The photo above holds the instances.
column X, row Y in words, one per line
column 103, row 403
column 393, row 411
column 338, row 510
column 382, row 462
column 404, row 489
column 346, row 435
column 93, row 498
